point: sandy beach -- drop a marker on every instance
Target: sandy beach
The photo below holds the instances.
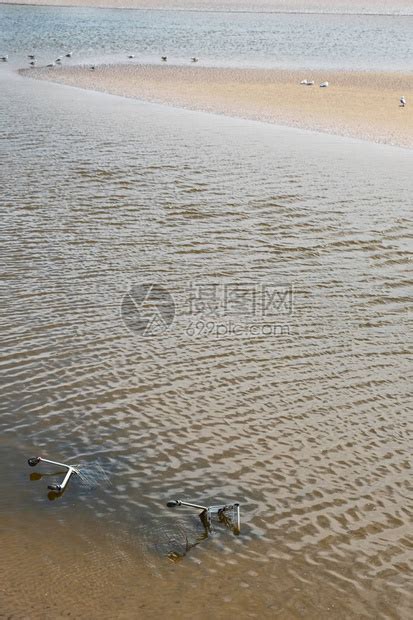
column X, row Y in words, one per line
column 358, row 104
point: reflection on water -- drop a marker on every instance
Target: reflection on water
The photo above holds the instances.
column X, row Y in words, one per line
column 307, row 429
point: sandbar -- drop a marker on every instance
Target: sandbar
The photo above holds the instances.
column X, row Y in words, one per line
column 358, row 104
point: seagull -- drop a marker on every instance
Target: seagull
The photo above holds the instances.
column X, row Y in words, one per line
column 164, row 58
column 194, row 59
column 32, row 63
column 92, row 67
column 323, row 84
column 402, row 101
column 52, row 64
column 307, row 82
column 31, row 56
column 131, row 56
column 5, row 58
column 69, row 54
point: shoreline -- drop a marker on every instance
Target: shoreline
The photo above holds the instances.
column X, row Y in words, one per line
column 357, row 104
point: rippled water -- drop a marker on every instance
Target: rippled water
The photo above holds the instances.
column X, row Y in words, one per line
column 266, row 40
column 307, row 428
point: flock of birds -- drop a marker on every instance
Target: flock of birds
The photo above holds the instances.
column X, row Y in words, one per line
column 58, row 61
column 311, row 83
column 163, row 58
column 326, row 84
column 32, row 59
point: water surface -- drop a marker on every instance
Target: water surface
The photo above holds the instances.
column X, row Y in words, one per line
column 381, row 42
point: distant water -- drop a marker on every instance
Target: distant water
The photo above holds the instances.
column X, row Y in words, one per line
column 307, row 427
column 267, row 40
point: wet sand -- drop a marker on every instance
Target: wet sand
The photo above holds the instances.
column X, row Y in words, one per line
column 80, row 569
column 362, row 105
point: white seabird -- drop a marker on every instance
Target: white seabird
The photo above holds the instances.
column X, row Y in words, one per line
column 323, row 84
column 131, row 56
column 69, row 54
column 31, row 56
column 5, row 58
column 402, row 101
column 51, row 64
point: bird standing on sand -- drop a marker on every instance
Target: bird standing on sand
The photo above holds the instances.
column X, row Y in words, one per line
column 32, row 63
column 402, row 101
column 131, row 56
column 5, row 58
column 307, row 82
column 92, row 68
column 69, row 54
column 164, row 58
column 194, row 59
column 51, row 64
column 31, row 56
column 323, row 84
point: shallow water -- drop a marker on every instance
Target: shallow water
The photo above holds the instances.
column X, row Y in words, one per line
column 308, row 426
column 382, row 42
